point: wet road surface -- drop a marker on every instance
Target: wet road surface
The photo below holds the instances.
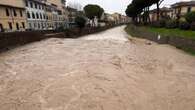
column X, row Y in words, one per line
column 103, row 71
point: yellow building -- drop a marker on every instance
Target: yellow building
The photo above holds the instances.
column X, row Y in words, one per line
column 181, row 8
column 12, row 15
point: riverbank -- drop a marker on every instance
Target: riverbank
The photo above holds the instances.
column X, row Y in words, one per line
column 15, row 39
column 184, row 40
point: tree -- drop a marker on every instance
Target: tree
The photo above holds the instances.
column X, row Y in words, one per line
column 158, row 3
column 190, row 17
column 133, row 11
column 138, row 6
column 92, row 11
column 80, row 21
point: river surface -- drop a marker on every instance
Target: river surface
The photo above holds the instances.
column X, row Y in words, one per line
column 103, row 71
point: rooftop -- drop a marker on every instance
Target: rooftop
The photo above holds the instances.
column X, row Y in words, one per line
column 187, row 3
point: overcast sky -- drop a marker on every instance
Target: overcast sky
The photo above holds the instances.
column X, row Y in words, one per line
column 111, row 6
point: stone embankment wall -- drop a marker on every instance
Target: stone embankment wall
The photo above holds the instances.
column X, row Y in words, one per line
column 14, row 39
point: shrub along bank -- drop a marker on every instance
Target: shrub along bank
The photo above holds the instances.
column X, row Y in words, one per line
column 185, row 23
column 179, row 38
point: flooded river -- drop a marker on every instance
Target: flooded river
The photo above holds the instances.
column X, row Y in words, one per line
column 103, row 71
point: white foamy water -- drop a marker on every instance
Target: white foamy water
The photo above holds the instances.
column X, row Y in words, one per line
column 116, row 34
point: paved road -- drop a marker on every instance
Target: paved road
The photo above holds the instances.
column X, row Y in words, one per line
column 103, row 71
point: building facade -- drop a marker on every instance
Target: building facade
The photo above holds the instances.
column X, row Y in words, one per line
column 46, row 14
column 109, row 17
column 72, row 13
column 21, row 15
column 177, row 11
column 36, row 14
column 116, row 17
column 59, row 13
column 125, row 19
column 164, row 13
column 12, row 15
column 181, row 8
column 49, row 17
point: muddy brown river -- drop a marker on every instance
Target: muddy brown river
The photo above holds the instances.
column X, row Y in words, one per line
column 103, row 71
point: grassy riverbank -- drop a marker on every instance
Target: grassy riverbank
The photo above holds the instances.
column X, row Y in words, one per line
column 147, row 31
column 172, row 32
column 164, row 31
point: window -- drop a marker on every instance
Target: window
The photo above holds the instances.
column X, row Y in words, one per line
column 31, row 4
column 40, row 7
column 28, row 15
column 44, row 16
column 23, row 25
column 26, row 2
column 21, row 13
column 7, row 12
column 35, row 5
column 42, row 25
column 179, row 11
column 33, row 15
column 38, row 26
column 15, row 14
column 37, row 15
column 35, row 25
column 10, row 25
column 189, row 9
column 43, row 7
column 41, row 16
column 1, row 28
column 17, row 26
column 30, row 26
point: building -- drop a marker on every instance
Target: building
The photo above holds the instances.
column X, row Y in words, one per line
column 181, row 8
column 164, row 13
column 12, row 15
column 36, row 14
column 21, row 15
column 50, row 13
column 46, row 14
column 109, row 17
column 125, row 19
column 116, row 17
column 59, row 13
column 72, row 14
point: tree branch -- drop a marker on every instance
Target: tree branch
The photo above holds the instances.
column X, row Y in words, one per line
column 161, row 2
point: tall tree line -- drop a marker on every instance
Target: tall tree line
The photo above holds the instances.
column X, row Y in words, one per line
column 142, row 6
